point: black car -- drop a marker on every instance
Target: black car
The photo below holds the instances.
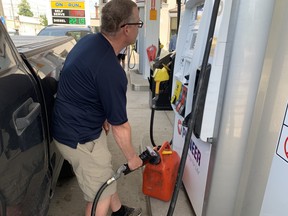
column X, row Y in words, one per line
column 29, row 161
column 76, row 32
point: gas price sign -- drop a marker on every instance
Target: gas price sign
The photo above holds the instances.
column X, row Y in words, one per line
column 65, row 12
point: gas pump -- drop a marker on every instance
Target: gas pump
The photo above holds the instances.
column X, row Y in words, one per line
column 190, row 50
column 237, row 157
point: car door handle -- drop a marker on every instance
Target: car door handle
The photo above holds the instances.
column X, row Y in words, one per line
column 25, row 115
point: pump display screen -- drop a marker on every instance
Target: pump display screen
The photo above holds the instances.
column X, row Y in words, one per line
column 70, row 20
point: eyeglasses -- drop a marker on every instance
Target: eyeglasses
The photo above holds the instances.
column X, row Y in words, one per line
column 140, row 24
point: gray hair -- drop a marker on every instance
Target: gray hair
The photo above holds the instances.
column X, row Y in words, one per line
column 115, row 13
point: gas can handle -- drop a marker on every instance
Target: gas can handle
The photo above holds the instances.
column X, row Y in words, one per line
column 165, row 147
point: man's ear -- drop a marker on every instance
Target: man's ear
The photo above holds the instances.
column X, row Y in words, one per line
column 125, row 29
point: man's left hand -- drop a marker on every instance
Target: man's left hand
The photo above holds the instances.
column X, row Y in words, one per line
column 106, row 127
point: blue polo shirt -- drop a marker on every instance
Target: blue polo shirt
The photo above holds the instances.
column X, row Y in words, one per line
column 92, row 88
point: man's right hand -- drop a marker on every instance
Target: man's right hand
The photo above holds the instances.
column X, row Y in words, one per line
column 135, row 162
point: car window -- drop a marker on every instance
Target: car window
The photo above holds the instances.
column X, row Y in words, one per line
column 6, row 58
column 50, row 63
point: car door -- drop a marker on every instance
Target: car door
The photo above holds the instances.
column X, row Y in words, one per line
column 24, row 175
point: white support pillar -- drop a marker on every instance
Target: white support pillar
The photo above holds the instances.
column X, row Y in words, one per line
column 151, row 34
column 141, row 36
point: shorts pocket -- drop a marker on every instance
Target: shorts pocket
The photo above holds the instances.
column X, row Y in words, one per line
column 101, row 153
column 87, row 147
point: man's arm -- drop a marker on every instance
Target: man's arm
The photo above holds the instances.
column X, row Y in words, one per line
column 122, row 135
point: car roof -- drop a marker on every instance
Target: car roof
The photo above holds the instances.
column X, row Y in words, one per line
column 68, row 27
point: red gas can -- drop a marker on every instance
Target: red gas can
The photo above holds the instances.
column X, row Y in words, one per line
column 159, row 180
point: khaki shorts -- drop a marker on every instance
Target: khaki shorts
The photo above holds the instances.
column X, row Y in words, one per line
column 92, row 165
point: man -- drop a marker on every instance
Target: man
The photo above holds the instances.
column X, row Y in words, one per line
column 92, row 96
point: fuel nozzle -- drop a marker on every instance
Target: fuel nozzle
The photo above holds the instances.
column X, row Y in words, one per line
column 148, row 156
column 159, row 76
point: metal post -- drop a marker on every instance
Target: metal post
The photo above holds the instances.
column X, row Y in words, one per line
column 1, row 9
column 13, row 16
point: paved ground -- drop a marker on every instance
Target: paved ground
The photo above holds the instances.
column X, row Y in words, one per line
column 68, row 199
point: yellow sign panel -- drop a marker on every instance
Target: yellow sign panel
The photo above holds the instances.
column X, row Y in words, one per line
column 153, row 14
column 67, row 5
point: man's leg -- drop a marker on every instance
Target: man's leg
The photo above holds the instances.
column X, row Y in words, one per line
column 115, row 203
column 122, row 210
column 91, row 163
column 103, row 205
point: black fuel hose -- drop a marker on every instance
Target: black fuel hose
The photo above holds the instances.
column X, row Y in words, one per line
column 129, row 59
column 151, row 127
column 97, row 197
column 117, row 175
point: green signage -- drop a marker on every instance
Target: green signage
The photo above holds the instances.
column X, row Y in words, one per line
column 71, row 20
